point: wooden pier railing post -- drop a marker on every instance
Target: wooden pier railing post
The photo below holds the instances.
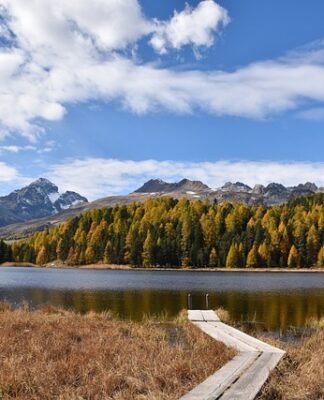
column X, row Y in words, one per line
column 189, row 302
column 207, row 302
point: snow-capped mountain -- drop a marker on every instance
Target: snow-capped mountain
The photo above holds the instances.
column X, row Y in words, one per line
column 39, row 199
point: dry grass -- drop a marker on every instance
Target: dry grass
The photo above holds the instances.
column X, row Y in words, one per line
column 224, row 315
column 55, row 354
column 301, row 373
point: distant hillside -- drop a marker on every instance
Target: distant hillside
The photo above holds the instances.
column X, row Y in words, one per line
column 27, row 211
column 170, row 232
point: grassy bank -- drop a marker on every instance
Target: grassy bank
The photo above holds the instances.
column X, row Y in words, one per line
column 55, row 354
column 102, row 266
column 300, row 375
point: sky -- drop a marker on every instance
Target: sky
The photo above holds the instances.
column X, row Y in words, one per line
column 101, row 96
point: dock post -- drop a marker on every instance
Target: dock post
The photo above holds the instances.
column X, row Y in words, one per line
column 207, row 301
column 189, row 302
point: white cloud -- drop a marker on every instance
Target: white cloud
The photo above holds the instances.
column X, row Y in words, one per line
column 67, row 52
column 192, row 26
column 9, row 175
column 312, row 114
column 96, row 177
column 16, row 149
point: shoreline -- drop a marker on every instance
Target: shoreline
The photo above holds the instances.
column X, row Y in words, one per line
column 110, row 267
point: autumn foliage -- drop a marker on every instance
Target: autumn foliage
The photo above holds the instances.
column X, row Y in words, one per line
column 175, row 233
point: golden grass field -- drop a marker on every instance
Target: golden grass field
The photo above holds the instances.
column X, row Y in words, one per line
column 300, row 375
column 55, row 354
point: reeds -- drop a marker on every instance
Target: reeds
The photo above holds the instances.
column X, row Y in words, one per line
column 300, row 376
column 56, row 354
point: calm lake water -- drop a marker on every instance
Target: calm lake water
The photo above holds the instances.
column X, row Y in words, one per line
column 277, row 300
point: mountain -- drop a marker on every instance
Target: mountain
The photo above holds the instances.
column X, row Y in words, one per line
column 274, row 193
column 53, row 208
column 185, row 185
column 37, row 200
column 235, row 187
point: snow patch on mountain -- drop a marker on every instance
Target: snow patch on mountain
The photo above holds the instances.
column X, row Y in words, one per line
column 54, row 196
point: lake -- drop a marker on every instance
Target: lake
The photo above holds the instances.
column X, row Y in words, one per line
column 276, row 300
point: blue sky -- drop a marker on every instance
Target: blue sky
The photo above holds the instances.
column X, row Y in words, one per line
column 135, row 89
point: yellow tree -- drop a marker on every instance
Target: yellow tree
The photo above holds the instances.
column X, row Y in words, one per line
column 90, row 255
column 232, row 259
column 252, row 258
column 320, row 258
column 264, row 254
column 148, row 250
column 293, row 258
column 312, row 245
column 41, row 256
column 213, row 258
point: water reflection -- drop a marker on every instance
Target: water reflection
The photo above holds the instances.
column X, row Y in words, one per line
column 277, row 308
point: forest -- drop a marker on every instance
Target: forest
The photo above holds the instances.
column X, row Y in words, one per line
column 166, row 232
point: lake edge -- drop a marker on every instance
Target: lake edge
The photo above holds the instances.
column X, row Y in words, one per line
column 110, row 267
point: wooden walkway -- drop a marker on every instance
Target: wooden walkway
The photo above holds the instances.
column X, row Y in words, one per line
column 243, row 376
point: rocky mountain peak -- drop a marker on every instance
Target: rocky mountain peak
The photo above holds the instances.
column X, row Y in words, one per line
column 193, row 186
column 159, row 186
column 258, row 189
column 43, row 182
column 308, row 186
column 236, row 187
column 275, row 188
column 68, row 199
column 39, row 199
column 153, row 186
column 41, row 186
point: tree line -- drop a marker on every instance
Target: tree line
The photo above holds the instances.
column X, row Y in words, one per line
column 183, row 233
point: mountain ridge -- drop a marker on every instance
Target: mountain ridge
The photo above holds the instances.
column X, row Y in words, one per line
column 238, row 192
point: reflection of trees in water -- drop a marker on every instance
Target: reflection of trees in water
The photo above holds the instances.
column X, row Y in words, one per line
column 275, row 310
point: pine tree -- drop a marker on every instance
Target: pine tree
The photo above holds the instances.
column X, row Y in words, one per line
column 293, row 258
column 312, row 246
column 320, row 258
column 41, row 258
column 90, row 255
column 185, row 241
column 232, row 260
column 213, row 258
column 252, row 258
column 241, row 256
column 148, row 251
column 301, row 245
column 62, row 248
column 133, row 246
column 3, row 252
column 73, row 257
column 263, row 254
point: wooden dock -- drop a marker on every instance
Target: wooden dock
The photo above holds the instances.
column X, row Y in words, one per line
column 243, row 376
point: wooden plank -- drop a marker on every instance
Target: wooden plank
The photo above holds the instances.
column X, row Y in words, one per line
column 218, row 334
column 250, row 383
column 242, row 377
column 210, row 316
column 249, row 340
column 217, row 383
column 195, row 315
